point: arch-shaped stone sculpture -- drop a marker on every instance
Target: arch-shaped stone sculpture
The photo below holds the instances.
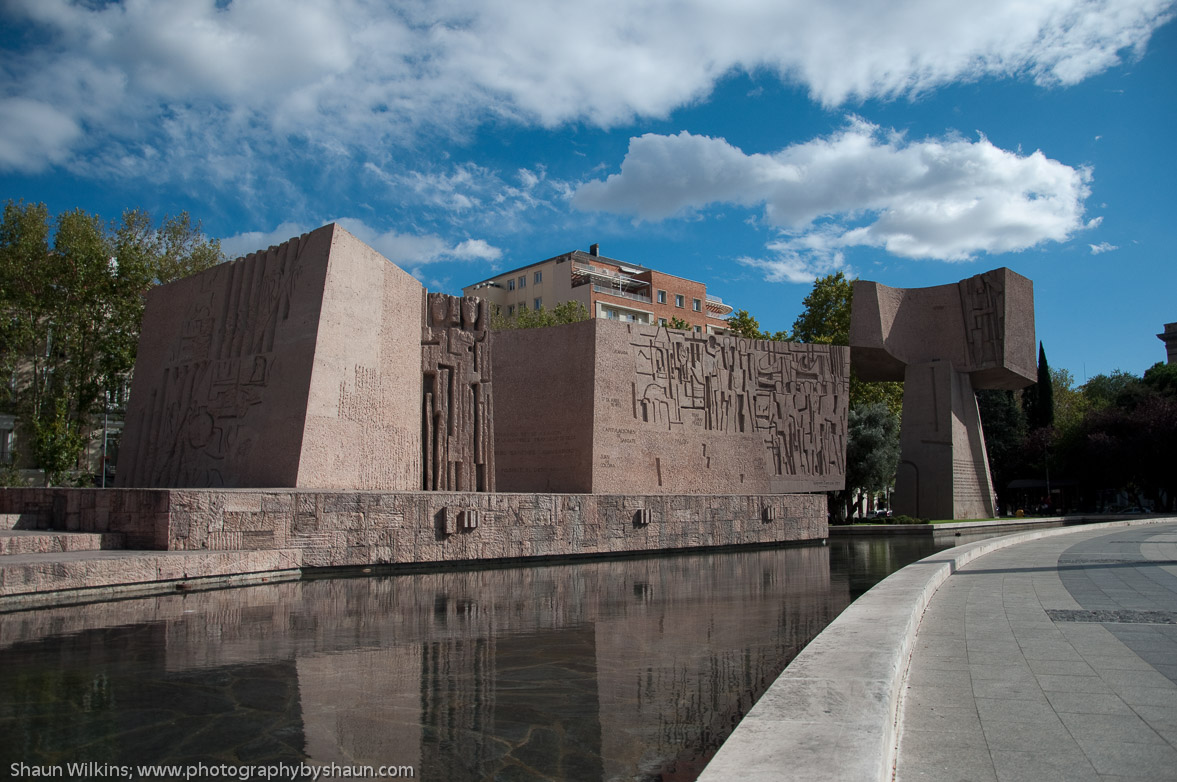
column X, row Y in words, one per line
column 944, row 342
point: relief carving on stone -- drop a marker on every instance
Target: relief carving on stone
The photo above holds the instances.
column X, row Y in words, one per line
column 458, row 429
column 793, row 396
column 197, row 419
column 982, row 301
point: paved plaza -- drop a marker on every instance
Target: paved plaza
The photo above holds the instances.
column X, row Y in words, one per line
column 1053, row 659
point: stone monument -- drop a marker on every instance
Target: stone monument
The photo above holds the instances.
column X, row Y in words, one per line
column 285, row 368
column 623, row 408
column 944, row 342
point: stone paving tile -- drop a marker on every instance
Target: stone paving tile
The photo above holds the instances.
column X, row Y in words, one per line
column 1105, row 662
column 1127, row 728
column 1135, row 679
column 943, row 763
column 942, row 719
column 954, row 697
column 1087, row 703
column 1053, row 698
column 1148, row 696
column 1007, row 688
column 939, row 663
column 1027, row 736
column 1042, row 766
column 1019, row 671
column 1142, row 761
column 1061, row 668
column 1064, row 683
column 935, row 677
column 1013, row 710
column 919, row 740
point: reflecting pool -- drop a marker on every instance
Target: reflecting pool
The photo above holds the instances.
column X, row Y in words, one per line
column 625, row 669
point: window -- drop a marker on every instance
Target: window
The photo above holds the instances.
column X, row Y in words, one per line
column 678, row 300
column 696, row 305
column 523, row 306
column 661, row 297
column 538, row 302
column 698, row 329
column 523, row 281
column 539, row 277
column 661, row 321
column 510, row 285
column 5, row 446
column 510, row 309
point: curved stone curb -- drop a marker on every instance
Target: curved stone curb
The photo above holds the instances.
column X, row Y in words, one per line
column 831, row 714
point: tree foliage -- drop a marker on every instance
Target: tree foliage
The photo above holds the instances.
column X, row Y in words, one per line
column 71, row 296
column 1003, row 422
column 564, row 312
column 826, row 317
column 872, row 449
column 1038, row 399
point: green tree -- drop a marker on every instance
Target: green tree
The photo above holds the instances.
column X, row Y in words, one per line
column 1103, row 391
column 678, row 323
column 1039, row 398
column 1003, row 422
column 564, row 312
column 872, row 449
column 826, row 317
column 742, row 324
column 1162, row 378
column 72, row 313
column 1070, row 403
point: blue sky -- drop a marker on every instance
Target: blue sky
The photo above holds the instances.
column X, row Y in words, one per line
column 751, row 145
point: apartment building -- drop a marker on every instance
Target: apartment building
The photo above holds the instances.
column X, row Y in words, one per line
column 608, row 288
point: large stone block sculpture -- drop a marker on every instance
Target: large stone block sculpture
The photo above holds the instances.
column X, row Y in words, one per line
column 631, row 409
column 944, row 342
column 286, row 368
column 458, row 406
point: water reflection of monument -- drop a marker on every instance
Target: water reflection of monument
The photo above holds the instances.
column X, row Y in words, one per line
column 592, row 671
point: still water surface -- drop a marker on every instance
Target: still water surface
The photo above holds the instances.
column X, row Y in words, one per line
column 629, row 669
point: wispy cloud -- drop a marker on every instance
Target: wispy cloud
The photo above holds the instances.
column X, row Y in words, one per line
column 939, row 198
column 161, row 85
column 1102, row 247
column 408, row 250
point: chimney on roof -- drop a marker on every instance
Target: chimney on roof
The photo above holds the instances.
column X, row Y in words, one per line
column 595, row 249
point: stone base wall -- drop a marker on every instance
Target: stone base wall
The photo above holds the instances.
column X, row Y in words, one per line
column 334, row 528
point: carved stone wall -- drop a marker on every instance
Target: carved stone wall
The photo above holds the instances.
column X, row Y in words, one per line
column 458, row 423
column 669, row 412
column 283, row 368
column 983, row 325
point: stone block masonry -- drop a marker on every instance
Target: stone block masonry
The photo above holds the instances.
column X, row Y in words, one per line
column 350, row 528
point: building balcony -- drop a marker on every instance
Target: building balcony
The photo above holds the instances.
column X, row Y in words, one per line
column 623, row 294
column 583, row 273
column 716, row 307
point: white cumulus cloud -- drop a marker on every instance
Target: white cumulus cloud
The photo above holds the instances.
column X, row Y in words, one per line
column 941, row 198
column 170, row 80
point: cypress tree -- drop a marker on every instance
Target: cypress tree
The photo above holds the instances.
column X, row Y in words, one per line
column 1044, row 409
